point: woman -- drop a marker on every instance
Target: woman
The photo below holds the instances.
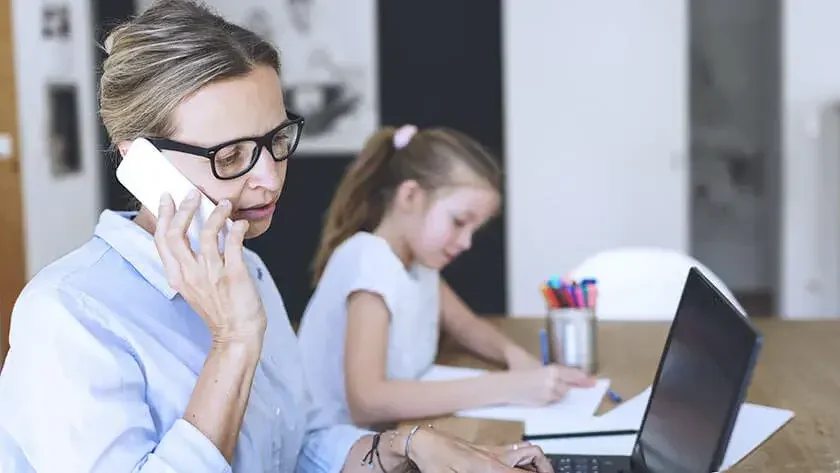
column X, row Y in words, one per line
column 136, row 354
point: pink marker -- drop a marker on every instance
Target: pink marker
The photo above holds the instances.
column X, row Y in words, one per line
column 593, row 295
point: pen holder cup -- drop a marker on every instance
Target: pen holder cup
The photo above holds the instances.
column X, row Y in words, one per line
column 573, row 338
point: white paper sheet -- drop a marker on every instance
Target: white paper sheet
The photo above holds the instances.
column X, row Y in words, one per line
column 754, row 425
column 575, row 409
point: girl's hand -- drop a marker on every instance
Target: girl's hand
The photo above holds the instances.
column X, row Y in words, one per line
column 216, row 285
column 516, row 358
column 545, row 385
column 434, row 452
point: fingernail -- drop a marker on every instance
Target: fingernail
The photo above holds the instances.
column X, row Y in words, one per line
column 224, row 203
column 193, row 194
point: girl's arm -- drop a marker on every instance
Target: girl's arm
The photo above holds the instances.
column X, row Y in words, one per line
column 372, row 398
column 477, row 335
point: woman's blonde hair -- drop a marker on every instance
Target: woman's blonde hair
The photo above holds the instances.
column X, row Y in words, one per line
column 165, row 54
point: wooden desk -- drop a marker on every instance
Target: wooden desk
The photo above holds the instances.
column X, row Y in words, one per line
column 797, row 370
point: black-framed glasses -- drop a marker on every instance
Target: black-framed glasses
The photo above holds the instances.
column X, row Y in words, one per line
column 235, row 158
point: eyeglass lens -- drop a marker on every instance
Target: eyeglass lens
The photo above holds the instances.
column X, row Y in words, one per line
column 238, row 157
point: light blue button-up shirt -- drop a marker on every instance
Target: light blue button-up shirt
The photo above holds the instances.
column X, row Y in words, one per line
column 104, row 357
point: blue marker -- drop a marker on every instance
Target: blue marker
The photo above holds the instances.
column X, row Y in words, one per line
column 614, row 397
column 554, row 282
column 544, row 346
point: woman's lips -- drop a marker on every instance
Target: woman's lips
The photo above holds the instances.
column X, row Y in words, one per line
column 257, row 213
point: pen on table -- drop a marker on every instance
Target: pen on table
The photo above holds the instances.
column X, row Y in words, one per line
column 569, row 435
column 614, row 397
column 544, row 346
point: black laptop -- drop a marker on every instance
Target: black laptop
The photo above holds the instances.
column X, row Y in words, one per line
column 700, row 384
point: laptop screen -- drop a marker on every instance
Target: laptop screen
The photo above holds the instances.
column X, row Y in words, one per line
column 703, row 373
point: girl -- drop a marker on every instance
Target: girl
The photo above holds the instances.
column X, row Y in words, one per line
column 407, row 207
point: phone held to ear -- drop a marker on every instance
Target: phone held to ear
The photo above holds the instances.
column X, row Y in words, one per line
column 147, row 174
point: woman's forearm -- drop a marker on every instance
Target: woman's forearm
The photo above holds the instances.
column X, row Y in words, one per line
column 220, row 397
column 397, row 400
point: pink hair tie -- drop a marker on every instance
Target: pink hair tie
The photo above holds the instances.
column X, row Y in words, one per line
column 403, row 135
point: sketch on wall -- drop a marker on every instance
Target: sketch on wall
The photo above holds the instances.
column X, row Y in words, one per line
column 329, row 66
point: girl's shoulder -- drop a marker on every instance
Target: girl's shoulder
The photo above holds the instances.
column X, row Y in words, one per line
column 365, row 249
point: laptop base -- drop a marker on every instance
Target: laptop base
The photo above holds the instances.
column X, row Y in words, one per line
column 590, row 463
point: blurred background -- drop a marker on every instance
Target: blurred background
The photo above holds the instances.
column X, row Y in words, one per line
column 708, row 127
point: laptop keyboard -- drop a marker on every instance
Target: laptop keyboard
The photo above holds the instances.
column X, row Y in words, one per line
column 583, row 464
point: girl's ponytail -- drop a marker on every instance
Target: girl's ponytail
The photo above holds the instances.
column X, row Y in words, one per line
column 358, row 203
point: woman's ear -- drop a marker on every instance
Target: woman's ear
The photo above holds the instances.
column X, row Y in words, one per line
column 410, row 196
column 123, row 147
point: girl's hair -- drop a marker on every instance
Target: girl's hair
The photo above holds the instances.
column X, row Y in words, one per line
column 165, row 54
column 367, row 188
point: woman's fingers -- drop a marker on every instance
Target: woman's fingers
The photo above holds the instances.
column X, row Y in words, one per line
column 524, row 454
column 166, row 211
column 176, row 233
column 210, row 234
column 234, row 260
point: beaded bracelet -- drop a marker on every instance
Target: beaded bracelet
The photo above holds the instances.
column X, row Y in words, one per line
column 374, row 453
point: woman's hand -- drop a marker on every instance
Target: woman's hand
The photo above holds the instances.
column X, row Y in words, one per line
column 435, row 452
column 216, row 285
column 546, row 384
column 520, row 455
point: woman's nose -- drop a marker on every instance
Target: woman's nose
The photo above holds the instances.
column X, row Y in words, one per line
column 267, row 172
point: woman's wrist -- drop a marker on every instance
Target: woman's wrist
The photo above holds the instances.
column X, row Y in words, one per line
column 411, row 444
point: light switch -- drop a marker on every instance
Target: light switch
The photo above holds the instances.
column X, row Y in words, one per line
column 5, row 146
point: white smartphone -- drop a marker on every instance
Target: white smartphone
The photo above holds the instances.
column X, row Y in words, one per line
column 147, row 174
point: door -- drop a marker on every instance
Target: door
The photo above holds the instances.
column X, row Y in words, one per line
column 596, row 133
column 12, row 277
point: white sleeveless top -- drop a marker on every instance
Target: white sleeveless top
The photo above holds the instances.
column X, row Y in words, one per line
column 366, row 262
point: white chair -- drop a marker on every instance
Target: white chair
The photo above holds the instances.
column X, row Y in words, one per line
column 642, row 283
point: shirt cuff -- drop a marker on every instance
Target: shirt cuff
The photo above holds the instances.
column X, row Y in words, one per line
column 185, row 449
column 325, row 450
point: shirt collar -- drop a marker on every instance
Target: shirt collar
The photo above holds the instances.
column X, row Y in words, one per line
column 135, row 245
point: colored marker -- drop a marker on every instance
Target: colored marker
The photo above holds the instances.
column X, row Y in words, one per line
column 550, row 297
column 585, row 290
column 567, row 297
column 544, row 346
column 593, row 296
column 578, row 295
column 614, row 397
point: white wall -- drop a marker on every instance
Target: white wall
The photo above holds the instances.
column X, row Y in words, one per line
column 571, row 136
column 811, row 82
column 60, row 213
column 596, row 134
